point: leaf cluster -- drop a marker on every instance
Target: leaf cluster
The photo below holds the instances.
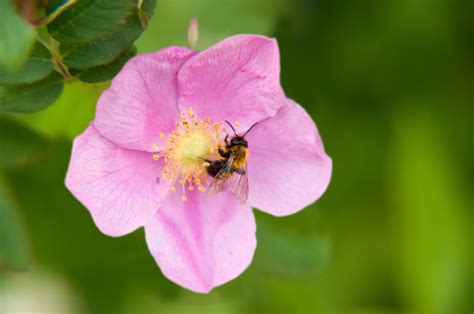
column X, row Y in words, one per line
column 87, row 40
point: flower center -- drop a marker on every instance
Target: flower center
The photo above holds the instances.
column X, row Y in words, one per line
column 184, row 150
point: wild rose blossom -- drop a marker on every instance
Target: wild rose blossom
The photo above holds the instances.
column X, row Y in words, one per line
column 140, row 162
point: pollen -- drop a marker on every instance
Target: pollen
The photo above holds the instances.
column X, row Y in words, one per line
column 185, row 150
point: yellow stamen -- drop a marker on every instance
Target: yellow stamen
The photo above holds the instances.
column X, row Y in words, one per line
column 185, row 148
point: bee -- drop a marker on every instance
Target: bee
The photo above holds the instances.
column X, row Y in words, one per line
column 230, row 172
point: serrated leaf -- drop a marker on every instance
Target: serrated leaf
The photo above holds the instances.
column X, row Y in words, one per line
column 38, row 65
column 31, row 97
column 89, row 20
column 105, row 72
column 19, row 145
column 14, row 250
column 110, row 47
column 17, row 37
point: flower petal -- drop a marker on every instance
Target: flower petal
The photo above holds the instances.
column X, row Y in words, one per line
column 142, row 101
column 203, row 242
column 118, row 186
column 238, row 79
column 288, row 167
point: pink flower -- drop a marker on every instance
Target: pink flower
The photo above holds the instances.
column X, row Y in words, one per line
column 140, row 163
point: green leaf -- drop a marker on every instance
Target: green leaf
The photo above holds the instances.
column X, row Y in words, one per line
column 89, row 20
column 14, row 249
column 71, row 113
column 108, row 48
column 38, row 65
column 31, row 97
column 105, row 72
column 19, row 145
column 17, row 37
column 57, row 7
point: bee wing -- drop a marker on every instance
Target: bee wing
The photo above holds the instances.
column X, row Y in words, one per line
column 232, row 181
column 218, row 184
column 238, row 184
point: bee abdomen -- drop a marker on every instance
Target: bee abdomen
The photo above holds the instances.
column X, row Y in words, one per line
column 214, row 168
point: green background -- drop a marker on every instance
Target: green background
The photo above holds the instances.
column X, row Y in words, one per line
column 390, row 85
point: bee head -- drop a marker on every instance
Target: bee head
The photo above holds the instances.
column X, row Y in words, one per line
column 239, row 141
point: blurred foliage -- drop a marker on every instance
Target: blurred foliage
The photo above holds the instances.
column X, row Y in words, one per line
column 389, row 84
column 20, row 145
column 425, row 177
column 248, row 16
column 17, row 37
column 14, row 253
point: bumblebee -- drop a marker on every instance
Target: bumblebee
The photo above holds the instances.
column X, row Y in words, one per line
column 230, row 172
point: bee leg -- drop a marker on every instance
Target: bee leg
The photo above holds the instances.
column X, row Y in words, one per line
column 223, row 153
column 206, row 160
